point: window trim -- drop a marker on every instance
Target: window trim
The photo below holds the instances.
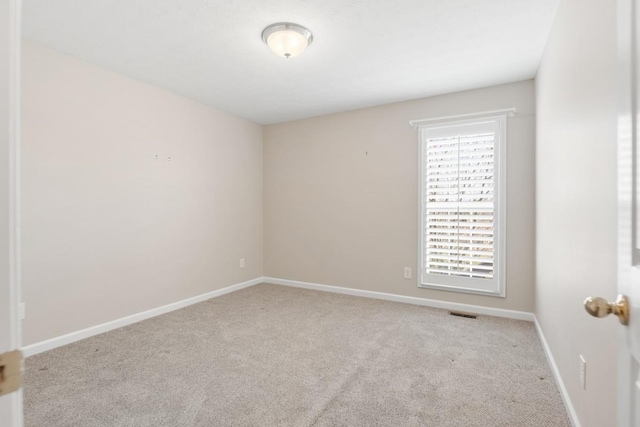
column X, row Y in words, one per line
column 500, row 201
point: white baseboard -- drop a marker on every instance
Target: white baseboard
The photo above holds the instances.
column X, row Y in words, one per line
column 477, row 309
column 573, row 416
column 50, row 344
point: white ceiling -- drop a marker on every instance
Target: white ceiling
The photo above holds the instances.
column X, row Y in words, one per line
column 364, row 52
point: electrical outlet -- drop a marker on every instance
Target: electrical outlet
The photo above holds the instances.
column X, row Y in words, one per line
column 23, row 313
column 407, row 273
column 241, row 262
column 583, row 373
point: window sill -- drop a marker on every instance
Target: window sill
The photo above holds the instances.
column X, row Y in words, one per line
column 499, row 294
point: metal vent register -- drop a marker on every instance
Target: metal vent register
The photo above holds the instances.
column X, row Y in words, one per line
column 461, row 314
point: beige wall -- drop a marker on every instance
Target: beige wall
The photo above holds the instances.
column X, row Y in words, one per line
column 341, row 196
column 108, row 230
column 576, row 189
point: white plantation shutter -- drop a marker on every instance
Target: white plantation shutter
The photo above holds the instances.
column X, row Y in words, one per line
column 461, row 205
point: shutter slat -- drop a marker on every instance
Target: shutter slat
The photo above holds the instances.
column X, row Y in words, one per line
column 461, row 258
column 463, row 253
column 459, row 272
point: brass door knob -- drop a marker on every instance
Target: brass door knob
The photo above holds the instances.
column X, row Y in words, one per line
column 600, row 307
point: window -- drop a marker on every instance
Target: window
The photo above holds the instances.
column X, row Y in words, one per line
column 462, row 205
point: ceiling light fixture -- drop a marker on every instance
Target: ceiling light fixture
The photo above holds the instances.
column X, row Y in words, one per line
column 287, row 39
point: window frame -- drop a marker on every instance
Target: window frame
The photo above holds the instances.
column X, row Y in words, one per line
column 494, row 287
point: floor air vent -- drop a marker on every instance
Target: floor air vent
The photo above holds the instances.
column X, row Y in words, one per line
column 461, row 314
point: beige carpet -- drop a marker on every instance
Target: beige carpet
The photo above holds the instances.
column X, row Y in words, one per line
column 278, row 356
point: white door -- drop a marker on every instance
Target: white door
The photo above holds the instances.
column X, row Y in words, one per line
column 10, row 335
column 629, row 213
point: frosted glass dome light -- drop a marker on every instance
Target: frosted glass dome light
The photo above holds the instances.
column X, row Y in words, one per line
column 286, row 39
